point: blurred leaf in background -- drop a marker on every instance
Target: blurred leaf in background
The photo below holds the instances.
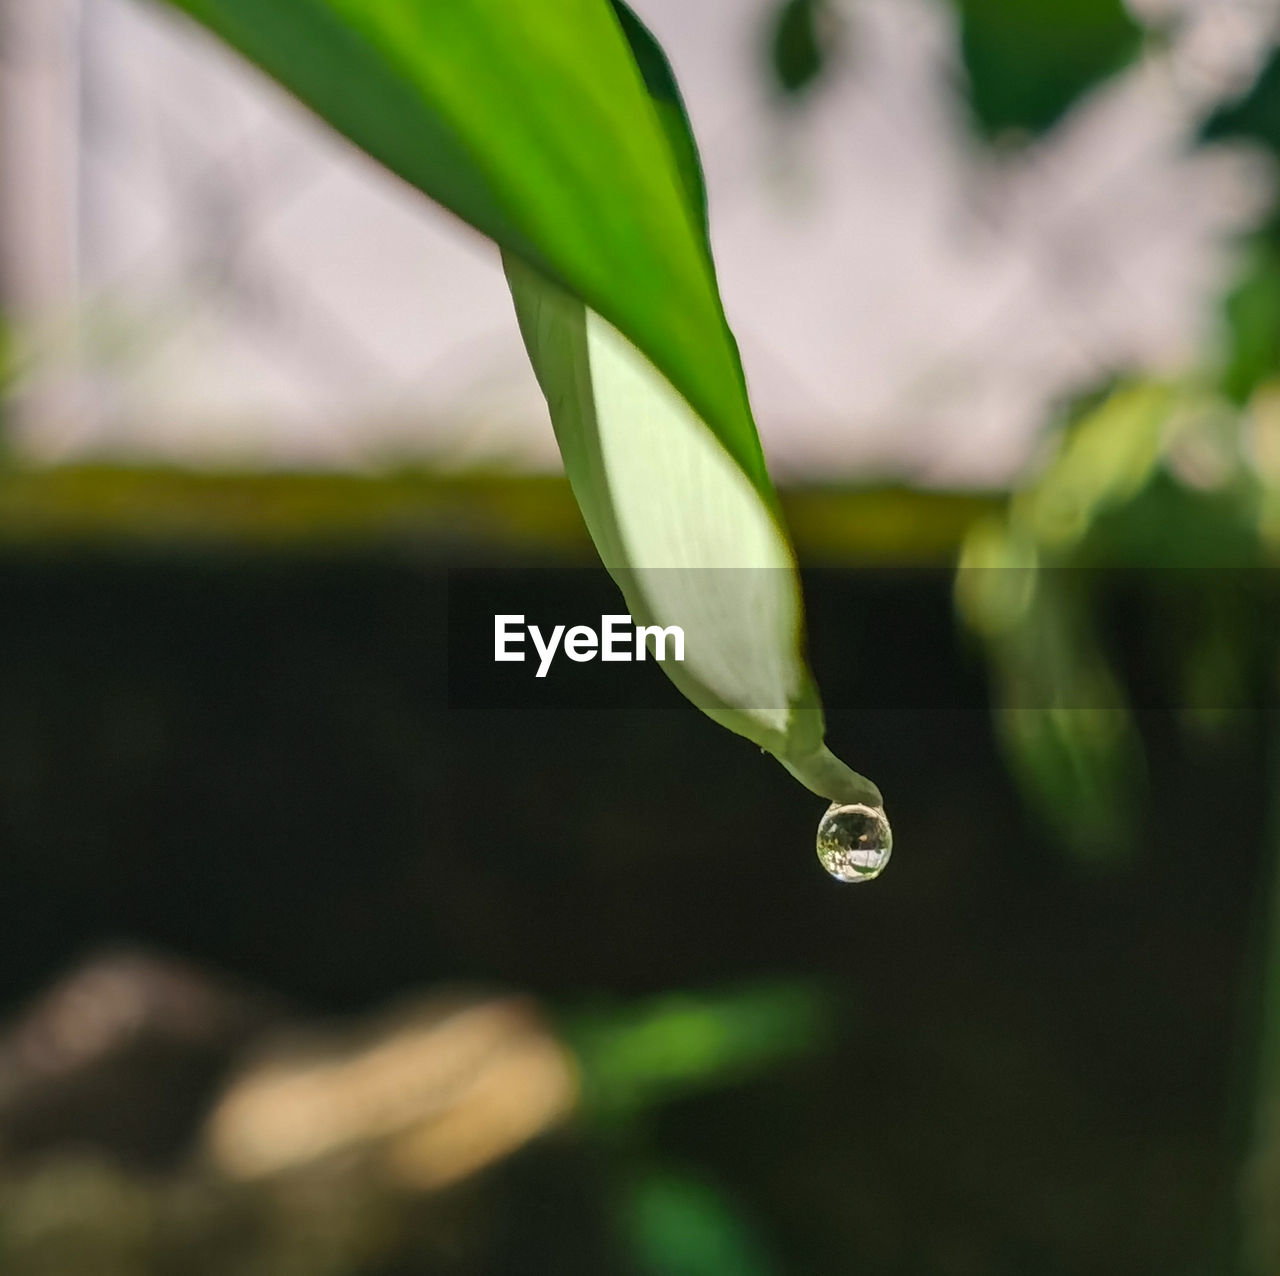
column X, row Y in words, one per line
column 667, row 1049
column 1061, row 714
column 1251, row 317
column 1256, row 115
column 1028, row 63
column 687, row 1042
column 1162, row 496
column 804, row 36
column 679, row 1225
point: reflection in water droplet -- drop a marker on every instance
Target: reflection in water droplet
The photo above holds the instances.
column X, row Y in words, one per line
column 854, row 842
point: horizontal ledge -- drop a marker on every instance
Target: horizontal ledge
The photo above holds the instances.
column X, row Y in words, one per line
column 473, row 515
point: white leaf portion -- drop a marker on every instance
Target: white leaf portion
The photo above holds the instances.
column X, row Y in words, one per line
column 688, row 538
column 700, row 543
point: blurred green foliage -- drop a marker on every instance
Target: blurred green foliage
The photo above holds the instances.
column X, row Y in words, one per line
column 686, row 1042
column 1060, row 711
column 679, row 1225
column 1256, row 115
column 803, row 37
column 1252, row 323
column 1166, row 493
column 1028, row 63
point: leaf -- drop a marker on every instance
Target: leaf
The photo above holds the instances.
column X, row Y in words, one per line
column 668, row 105
column 682, row 531
column 532, row 123
column 685, row 539
column 558, row 132
column 1029, row 62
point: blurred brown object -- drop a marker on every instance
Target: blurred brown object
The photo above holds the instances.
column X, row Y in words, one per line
column 422, row 1097
column 323, row 1156
column 121, row 1056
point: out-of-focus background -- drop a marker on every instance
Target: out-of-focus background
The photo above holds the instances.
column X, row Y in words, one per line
column 215, row 279
column 320, row 957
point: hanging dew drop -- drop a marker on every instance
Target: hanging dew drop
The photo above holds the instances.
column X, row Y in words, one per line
column 854, row 842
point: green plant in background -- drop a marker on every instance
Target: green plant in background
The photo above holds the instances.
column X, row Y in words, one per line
column 1027, row 63
column 1163, row 480
column 558, row 133
column 804, row 37
column 685, row 1042
column 1169, row 480
column 1170, row 494
column 1024, row 586
column 679, row 1225
column 1155, row 480
column 674, row 1221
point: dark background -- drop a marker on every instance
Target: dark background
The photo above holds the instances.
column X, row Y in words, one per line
column 262, row 764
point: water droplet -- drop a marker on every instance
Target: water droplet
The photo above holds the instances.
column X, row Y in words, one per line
column 854, row 842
